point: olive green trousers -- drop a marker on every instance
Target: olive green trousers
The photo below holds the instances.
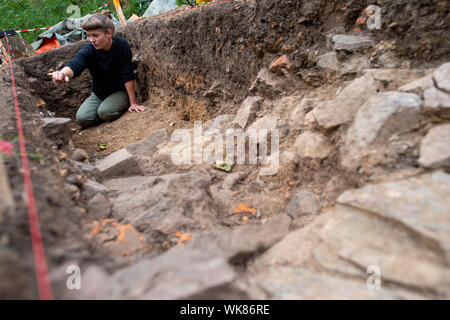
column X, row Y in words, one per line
column 95, row 110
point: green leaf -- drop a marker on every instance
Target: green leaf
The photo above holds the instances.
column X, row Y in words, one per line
column 102, row 146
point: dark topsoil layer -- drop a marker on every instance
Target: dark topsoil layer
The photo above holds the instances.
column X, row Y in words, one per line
column 182, row 55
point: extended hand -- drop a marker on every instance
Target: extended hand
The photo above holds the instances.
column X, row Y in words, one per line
column 58, row 77
column 136, row 107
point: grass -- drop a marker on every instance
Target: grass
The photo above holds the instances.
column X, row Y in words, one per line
column 29, row 14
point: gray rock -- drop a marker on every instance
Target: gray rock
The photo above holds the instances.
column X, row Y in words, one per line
column 418, row 86
column 388, row 60
column 176, row 274
column 379, row 118
column 99, row 207
column 393, row 79
column 96, row 284
column 83, row 168
column 312, row 145
column 91, row 188
column 351, row 43
column 304, row 203
column 437, row 102
column 267, row 122
column 242, row 242
column 400, row 227
column 72, row 190
column 342, row 109
column 232, row 179
column 79, row 155
column 442, row 77
column 287, row 283
column 435, row 147
column 309, row 122
column 297, row 118
column 269, row 85
column 118, row 164
column 419, row 204
column 328, row 60
column 166, row 204
column 57, row 129
column 355, row 64
column 147, row 146
column 247, row 112
column 7, row 205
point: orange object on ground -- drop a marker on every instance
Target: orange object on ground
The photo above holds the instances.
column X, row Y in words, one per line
column 48, row 44
column 243, row 207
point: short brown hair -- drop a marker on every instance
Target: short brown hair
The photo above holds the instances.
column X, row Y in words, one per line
column 99, row 21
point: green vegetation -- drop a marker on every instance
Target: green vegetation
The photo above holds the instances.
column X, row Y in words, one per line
column 29, row 14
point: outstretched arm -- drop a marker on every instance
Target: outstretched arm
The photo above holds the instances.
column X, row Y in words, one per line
column 130, row 86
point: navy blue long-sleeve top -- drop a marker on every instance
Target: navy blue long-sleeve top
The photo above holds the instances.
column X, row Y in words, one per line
column 110, row 69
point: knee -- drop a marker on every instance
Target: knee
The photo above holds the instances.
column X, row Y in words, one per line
column 85, row 121
column 108, row 115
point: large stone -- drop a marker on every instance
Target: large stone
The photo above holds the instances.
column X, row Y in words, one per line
column 418, row 204
column 118, row 164
column 267, row 122
column 435, row 147
column 437, row 102
column 270, row 85
column 400, row 228
column 83, row 168
column 418, row 86
column 247, row 112
column 147, row 146
column 351, row 43
column 342, row 109
column 165, row 204
column 287, row 283
column 7, row 204
column 442, row 77
column 79, row 155
column 99, row 207
column 312, row 145
column 328, row 60
column 91, row 188
column 393, row 79
column 304, row 203
column 176, row 274
column 309, row 122
column 243, row 242
column 379, row 118
column 57, row 129
column 297, row 118
column 354, row 64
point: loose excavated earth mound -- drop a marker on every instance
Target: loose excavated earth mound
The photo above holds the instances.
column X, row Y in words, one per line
column 361, row 186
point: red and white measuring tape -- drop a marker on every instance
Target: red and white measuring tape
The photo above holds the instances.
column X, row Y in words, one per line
column 31, row 30
column 102, row 7
column 40, row 261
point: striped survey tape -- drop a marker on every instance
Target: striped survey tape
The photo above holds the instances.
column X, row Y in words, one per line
column 102, row 7
column 40, row 261
column 31, row 30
